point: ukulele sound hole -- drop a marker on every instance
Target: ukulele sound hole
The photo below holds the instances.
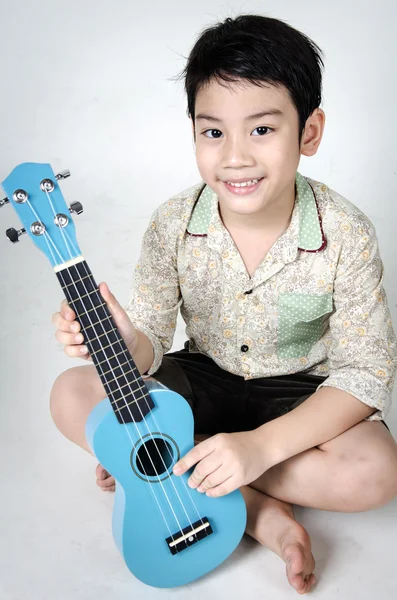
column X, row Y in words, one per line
column 154, row 457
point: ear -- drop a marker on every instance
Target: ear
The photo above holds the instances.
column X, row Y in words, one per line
column 313, row 133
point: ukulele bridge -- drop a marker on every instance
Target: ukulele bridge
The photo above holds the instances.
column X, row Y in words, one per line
column 189, row 536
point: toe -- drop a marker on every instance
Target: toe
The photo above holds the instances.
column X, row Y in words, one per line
column 104, row 480
column 101, row 472
column 299, row 568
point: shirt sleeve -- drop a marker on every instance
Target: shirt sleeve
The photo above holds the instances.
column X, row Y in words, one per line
column 156, row 297
column 363, row 351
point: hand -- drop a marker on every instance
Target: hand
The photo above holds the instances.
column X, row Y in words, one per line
column 226, row 461
column 68, row 329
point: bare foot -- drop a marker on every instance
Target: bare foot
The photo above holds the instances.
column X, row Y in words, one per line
column 105, row 481
column 271, row 522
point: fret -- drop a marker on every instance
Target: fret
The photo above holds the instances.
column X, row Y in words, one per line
column 113, row 356
column 117, row 377
column 134, row 401
column 114, row 329
column 90, row 310
column 89, row 294
column 73, row 283
column 118, row 367
column 122, row 381
column 137, row 411
column 116, row 387
column 119, row 389
column 104, row 347
column 105, row 320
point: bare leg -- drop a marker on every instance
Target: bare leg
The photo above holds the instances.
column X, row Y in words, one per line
column 354, row 472
column 272, row 523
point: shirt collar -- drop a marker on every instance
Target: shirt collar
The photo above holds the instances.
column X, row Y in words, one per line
column 305, row 228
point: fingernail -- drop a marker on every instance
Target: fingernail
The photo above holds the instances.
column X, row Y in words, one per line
column 177, row 469
column 83, row 349
column 74, row 327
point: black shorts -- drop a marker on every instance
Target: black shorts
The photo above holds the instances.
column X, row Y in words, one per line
column 223, row 402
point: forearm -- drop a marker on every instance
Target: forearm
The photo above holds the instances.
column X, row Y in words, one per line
column 322, row 417
column 143, row 356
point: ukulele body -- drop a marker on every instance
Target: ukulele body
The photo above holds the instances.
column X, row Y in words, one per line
column 147, row 510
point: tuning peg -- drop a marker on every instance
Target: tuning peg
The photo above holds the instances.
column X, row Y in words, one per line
column 76, row 207
column 63, row 174
column 13, row 234
column 4, row 202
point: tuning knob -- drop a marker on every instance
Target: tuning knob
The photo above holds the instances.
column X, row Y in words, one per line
column 63, row 175
column 76, row 207
column 14, row 235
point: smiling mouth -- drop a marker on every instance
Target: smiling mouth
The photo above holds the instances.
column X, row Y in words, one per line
column 243, row 187
column 244, row 183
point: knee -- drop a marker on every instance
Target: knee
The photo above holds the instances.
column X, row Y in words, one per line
column 371, row 483
column 61, row 394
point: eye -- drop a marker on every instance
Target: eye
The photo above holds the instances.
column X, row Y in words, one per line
column 262, row 130
column 215, row 133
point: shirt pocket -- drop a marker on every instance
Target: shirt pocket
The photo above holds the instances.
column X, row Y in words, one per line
column 301, row 320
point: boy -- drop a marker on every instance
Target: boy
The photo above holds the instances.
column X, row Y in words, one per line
column 291, row 356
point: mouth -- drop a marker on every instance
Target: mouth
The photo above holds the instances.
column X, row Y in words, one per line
column 243, row 187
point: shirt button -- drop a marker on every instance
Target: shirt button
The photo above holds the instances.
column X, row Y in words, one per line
column 244, row 348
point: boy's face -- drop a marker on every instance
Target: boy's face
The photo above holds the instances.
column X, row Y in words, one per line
column 234, row 145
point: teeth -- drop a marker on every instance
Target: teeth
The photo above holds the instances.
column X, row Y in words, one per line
column 244, row 184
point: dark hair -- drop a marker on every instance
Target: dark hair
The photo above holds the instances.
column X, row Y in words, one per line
column 260, row 50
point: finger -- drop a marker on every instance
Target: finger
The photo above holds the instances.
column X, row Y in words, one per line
column 213, row 479
column 205, row 467
column 64, row 324
column 69, row 339
column 229, row 485
column 193, row 456
column 117, row 311
column 66, row 312
column 80, row 351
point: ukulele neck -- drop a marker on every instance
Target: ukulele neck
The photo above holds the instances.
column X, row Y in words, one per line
column 121, row 379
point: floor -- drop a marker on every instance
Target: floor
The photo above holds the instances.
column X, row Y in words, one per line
column 55, row 524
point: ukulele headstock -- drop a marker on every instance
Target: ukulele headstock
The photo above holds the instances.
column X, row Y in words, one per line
column 33, row 191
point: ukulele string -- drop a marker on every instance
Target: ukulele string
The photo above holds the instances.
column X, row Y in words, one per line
column 155, row 422
column 157, row 425
column 126, row 404
column 48, row 239
column 140, row 389
column 50, row 242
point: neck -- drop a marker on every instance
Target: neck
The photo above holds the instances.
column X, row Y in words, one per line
column 121, row 379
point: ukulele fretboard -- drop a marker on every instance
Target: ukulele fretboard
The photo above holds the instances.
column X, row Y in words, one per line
column 122, row 381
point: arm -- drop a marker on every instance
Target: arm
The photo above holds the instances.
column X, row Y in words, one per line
column 155, row 297
column 362, row 358
column 144, row 354
column 322, row 417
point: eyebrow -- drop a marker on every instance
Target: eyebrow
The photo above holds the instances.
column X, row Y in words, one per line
column 272, row 112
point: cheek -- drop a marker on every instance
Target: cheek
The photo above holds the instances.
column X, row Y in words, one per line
column 205, row 159
column 282, row 155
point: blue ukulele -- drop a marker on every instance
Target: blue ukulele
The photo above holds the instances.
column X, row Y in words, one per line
column 167, row 533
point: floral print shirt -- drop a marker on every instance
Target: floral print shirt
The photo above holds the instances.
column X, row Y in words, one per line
column 316, row 303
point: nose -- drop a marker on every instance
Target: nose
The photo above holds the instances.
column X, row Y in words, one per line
column 236, row 153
